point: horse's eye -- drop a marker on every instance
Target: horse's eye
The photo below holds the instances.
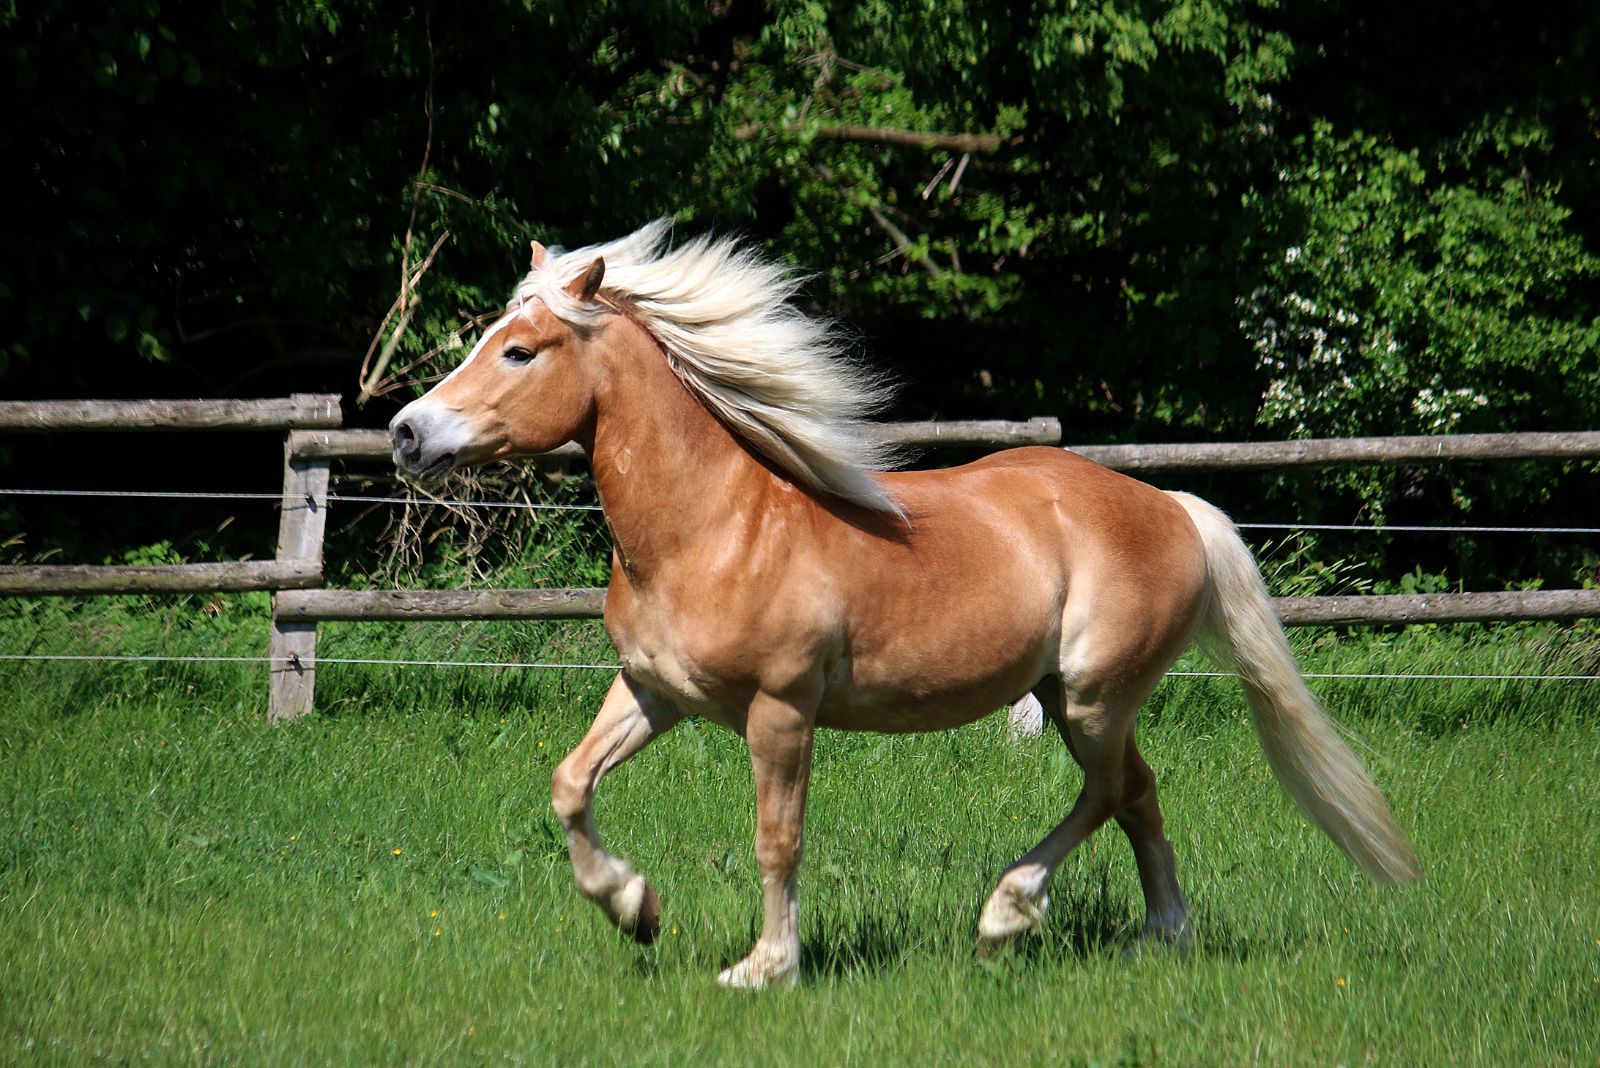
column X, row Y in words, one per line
column 517, row 354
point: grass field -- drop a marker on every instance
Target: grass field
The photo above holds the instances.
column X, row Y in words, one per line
column 383, row 883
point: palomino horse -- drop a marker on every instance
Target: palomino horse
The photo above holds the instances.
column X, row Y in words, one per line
column 768, row 574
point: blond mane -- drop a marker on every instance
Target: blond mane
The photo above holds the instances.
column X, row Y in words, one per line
column 775, row 376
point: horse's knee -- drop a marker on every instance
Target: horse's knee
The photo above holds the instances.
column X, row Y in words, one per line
column 569, row 792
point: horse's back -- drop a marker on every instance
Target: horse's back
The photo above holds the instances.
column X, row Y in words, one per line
column 1078, row 503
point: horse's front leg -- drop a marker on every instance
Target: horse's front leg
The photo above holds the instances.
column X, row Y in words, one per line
column 629, row 719
column 779, row 732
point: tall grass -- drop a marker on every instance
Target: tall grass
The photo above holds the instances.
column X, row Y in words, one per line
column 382, row 882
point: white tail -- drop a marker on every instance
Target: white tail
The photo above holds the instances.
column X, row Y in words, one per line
column 1317, row 770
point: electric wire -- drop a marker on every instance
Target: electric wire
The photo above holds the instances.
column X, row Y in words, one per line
column 315, row 661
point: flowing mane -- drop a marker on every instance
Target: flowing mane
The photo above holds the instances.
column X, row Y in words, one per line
column 775, row 376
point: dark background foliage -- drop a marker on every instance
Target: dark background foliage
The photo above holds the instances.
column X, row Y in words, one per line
column 1213, row 219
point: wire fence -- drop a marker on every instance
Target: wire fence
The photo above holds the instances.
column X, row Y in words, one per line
column 450, row 502
column 423, row 501
column 314, row 501
column 319, row 661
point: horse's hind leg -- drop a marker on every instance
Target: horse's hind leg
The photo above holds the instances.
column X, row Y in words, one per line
column 629, row 719
column 1166, row 911
column 1098, row 734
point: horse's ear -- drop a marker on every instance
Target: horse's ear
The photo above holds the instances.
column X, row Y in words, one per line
column 588, row 285
column 541, row 256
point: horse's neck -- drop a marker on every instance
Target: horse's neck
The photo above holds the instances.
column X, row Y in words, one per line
column 668, row 472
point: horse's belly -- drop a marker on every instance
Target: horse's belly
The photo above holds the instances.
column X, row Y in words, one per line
column 933, row 697
column 899, row 713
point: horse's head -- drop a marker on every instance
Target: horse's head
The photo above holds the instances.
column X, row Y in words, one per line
column 526, row 387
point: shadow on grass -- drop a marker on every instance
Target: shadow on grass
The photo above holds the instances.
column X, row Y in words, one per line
column 1089, row 920
column 1084, row 924
column 1086, row 921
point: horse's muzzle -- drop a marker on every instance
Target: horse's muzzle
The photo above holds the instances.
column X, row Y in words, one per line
column 419, row 454
column 407, row 450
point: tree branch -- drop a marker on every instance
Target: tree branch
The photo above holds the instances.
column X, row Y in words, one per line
column 403, row 307
column 889, row 135
column 903, row 243
column 955, row 142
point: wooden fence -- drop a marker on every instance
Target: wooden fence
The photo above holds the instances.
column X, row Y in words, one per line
column 314, row 439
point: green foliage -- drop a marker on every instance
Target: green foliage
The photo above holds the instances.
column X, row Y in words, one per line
column 1411, row 302
column 1188, row 219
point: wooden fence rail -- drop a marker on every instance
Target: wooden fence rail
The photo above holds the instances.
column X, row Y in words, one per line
column 1437, row 607
column 314, row 439
column 972, row 433
column 81, row 580
column 1255, row 455
column 301, row 410
column 321, row 606
column 391, row 605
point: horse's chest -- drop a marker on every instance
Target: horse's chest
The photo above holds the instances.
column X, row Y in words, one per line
column 668, row 653
column 666, row 670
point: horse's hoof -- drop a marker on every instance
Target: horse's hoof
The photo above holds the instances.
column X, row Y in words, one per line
column 1012, row 911
column 760, row 971
column 648, row 925
column 994, row 948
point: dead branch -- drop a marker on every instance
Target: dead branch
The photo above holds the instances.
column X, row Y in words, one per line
column 955, row 142
column 888, row 135
column 403, row 307
column 902, row 242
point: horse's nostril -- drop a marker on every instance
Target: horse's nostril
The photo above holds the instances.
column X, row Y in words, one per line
column 405, row 441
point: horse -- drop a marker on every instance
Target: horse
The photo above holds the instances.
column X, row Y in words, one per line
column 772, row 574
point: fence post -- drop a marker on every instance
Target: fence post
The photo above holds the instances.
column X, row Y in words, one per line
column 293, row 671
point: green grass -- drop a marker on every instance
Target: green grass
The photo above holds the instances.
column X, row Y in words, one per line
column 383, row 883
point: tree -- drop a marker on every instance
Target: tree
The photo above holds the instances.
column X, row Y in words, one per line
column 1197, row 218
